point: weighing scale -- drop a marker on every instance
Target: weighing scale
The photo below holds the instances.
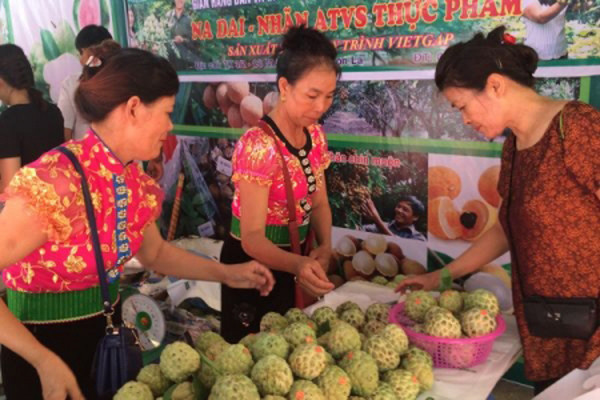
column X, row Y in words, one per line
column 145, row 315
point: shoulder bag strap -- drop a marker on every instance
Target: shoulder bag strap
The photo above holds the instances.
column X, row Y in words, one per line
column 89, row 208
column 289, row 192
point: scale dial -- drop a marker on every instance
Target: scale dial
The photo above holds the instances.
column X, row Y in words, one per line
column 146, row 316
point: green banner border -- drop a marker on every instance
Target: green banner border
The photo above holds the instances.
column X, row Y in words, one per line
column 555, row 63
column 352, row 141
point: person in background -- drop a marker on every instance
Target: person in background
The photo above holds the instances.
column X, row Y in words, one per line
column 131, row 36
column 181, row 32
column 550, row 188
column 53, row 322
column 30, row 126
column 75, row 125
column 407, row 212
column 307, row 74
column 545, row 27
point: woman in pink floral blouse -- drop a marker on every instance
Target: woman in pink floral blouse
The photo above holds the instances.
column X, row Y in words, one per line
column 307, row 74
column 54, row 319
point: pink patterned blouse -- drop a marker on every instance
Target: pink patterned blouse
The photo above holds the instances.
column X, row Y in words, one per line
column 125, row 199
column 257, row 160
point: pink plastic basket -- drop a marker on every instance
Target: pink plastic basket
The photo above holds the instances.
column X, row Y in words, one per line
column 449, row 353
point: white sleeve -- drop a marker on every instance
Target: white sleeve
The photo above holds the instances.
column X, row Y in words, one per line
column 66, row 103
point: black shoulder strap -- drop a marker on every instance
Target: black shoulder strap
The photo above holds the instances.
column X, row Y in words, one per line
column 89, row 208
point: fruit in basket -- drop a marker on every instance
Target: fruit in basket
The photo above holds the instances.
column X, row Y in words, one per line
column 477, row 322
column 391, row 285
column 207, row 376
column 382, row 351
column 373, row 328
column 363, row 372
column 416, row 356
column 443, row 219
column 206, row 339
column 363, row 263
column 346, row 306
column 433, row 311
column 482, row 299
column 377, row 311
column 249, row 339
column 273, row 321
column 417, row 304
column 397, row 337
column 236, row 359
column 213, row 351
column 305, row 390
column 405, row 384
column 343, row 338
column 477, row 217
column 222, row 98
column 379, row 280
column 354, row 317
column 270, row 343
column 444, row 326
column 299, row 333
column 152, row 376
column 462, row 356
column 296, row 315
column 323, row 314
column 488, row 185
column 134, row 391
column 308, row 361
column 178, row 361
column 451, row 300
column 272, row 375
column 425, row 377
column 234, row 387
column 386, row 264
column 335, row 383
column 384, row 392
column 183, row 391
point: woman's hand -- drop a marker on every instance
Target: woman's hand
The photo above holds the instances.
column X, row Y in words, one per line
column 427, row 282
column 311, row 276
column 322, row 255
column 250, row 275
column 58, row 382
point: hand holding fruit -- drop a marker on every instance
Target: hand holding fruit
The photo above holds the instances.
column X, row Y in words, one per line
column 427, row 282
column 250, row 275
column 322, row 254
column 310, row 275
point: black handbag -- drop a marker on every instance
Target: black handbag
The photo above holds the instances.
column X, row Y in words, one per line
column 553, row 317
column 118, row 357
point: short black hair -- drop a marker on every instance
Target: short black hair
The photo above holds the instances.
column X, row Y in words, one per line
column 417, row 206
column 90, row 36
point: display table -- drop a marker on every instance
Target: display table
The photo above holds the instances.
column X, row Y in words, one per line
column 450, row 384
